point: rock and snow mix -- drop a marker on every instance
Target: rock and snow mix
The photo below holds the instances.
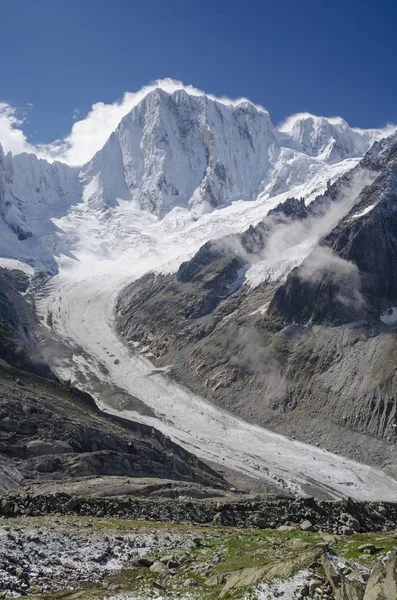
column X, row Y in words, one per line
column 389, row 316
column 44, row 559
column 117, row 559
column 290, row 589
column 172, row 150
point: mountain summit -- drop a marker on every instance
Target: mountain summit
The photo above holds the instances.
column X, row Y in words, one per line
column 179, row 149
column 192, row 151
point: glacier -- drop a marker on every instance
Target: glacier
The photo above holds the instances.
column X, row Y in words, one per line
column 178, row 170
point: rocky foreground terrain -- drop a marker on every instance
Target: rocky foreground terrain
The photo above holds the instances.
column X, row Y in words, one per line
column 74, row 556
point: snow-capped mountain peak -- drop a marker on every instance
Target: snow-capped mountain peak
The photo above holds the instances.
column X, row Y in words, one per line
column 183, row 150
column 177, row 148
column 331, row 139
column 187, row 150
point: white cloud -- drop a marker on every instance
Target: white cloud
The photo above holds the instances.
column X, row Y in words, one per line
column 12, row 137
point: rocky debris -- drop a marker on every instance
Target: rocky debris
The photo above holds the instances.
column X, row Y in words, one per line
column 142, row 561
column 347, row 579
column 305, row 584
column 342, row 517
column 159, row 586
column 189, row 583
column 18, row 321
column 367, row 548
column 351, row 580
column 159, row 568
column 307, row 526
column 333, row 574
column 57, row 558
column 215, row 580
column 350, row 522
column 64, row 553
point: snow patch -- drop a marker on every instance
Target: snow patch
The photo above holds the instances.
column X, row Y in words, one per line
column 12, row 263
column 288, row 589
column 364, row 212
column 389, row 316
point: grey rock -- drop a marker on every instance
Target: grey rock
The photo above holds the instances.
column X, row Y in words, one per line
column 307, row 526
column 215, row 580
column 189, row 583
column 382, row 582
column 367, row 549
column 159, row 567
column 159, row 586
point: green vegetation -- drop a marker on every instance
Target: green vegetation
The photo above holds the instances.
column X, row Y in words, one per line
column 213, row 551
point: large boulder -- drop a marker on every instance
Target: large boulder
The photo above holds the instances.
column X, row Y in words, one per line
column 282, row 569
column 382, row 582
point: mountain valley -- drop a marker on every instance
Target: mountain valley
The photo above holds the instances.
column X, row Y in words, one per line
column 200, row 319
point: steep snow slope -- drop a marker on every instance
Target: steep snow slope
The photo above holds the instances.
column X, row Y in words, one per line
column 181, row 150
column 33, row 193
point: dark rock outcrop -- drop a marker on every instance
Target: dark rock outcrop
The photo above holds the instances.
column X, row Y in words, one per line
column 48, row 431
column 349, row 276
column 18, row 321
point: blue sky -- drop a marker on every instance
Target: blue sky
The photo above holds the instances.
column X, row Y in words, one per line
column 325, row 57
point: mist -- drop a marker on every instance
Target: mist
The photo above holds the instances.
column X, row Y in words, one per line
column 293, row 240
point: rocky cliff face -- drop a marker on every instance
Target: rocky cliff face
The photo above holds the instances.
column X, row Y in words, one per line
column 52, row 432
column 348, row 276
column 18, row 322
column 181, row 150
column 311, row 353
